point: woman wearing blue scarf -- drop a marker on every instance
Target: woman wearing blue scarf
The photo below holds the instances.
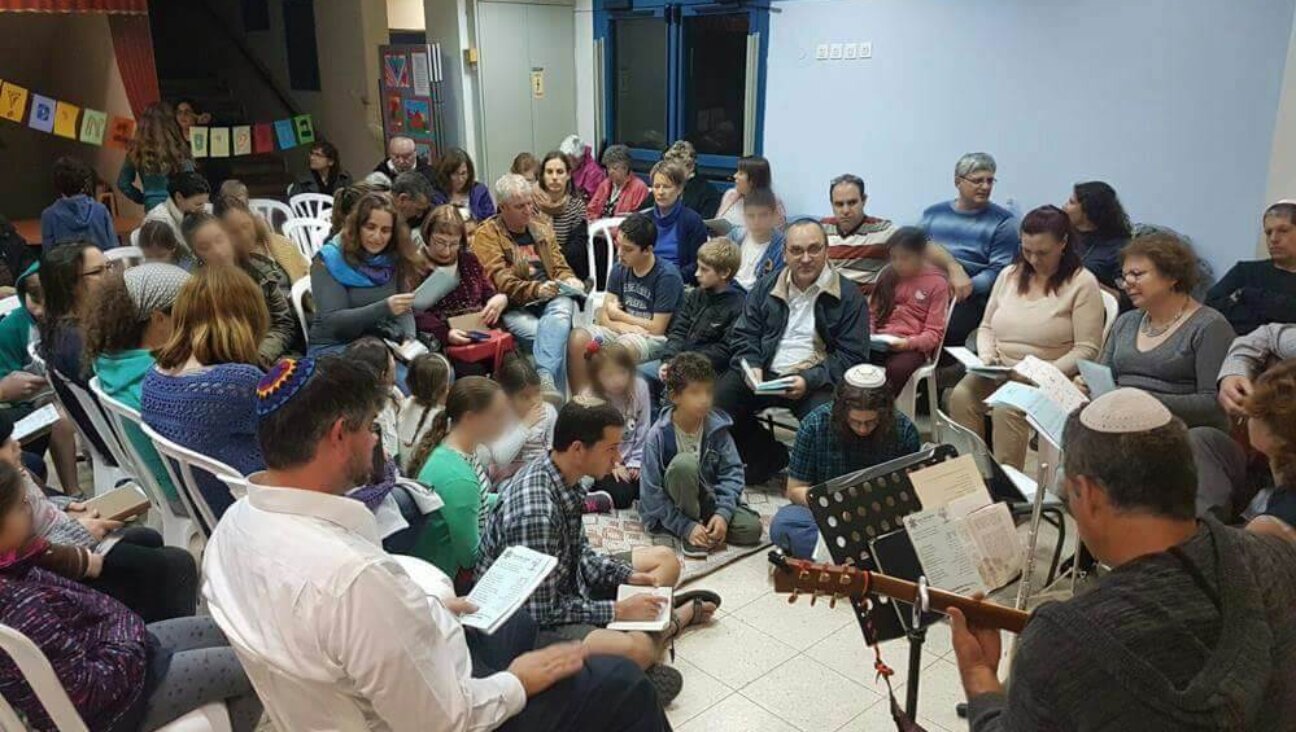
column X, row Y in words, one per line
column 680, row 231
column 362, row 280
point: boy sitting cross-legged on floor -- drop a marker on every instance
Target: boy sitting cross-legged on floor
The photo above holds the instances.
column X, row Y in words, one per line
column 691, row 482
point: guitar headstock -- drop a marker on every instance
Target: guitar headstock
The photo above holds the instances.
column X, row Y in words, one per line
column 799, row 575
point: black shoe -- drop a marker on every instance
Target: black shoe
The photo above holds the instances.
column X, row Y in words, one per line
column 667, row 681
column 693, row 551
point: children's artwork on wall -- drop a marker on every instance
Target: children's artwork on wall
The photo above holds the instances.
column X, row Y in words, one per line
column 13, row 102
column 93, row 125
column 423, row 151
column 198, row 141
column 305, row 128
column 284, row 132
column 65, row 120
column 263, row 138
column 42, row 114
column 121, row 132
column 418, row 117
column 396, row 70
column 243, row 140
column 395, row 113
column 218, row 142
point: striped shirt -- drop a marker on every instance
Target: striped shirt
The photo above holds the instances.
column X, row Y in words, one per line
column 861, row 254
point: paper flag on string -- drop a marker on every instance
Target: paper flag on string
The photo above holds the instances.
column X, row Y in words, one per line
column 263, row 138
column 305, row 128
column 65, row 119
column 198, row 141
column 284, row 131
column 218, row 144
column 93, row 125
column 121, row 132
column 13, row 102
column 243, row 140
column 42, row 114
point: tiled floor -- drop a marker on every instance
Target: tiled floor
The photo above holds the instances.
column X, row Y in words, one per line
column 765, row 665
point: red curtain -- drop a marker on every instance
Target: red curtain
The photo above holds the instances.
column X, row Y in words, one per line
column 75, row 6
column 133, row 45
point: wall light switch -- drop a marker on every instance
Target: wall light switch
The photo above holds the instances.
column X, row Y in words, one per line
column 835, row 51
column 821, row 52
column 850, row 51
column 866, row 49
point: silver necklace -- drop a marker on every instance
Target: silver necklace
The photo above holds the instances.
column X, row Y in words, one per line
column 1152, row 331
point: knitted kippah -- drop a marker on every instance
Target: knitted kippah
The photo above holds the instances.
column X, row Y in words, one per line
column 588, row 400
column 154, row 286
column 1124, row 411
column 1288, row 201
column 866, row 376
column 281, row 383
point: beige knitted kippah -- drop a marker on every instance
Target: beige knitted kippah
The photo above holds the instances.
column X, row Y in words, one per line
column 866, row 376
column 1123, row 411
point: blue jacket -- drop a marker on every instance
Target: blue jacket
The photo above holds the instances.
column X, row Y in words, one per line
column 479, row 201
column 720, row 472
column 841, row 321
column 690, row 235
column 77, row 218
column 772, row 259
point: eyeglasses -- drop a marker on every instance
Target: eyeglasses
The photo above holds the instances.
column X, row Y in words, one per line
column 978, row 182
column 449, row 242
column 811, row 251
column 1134, row 275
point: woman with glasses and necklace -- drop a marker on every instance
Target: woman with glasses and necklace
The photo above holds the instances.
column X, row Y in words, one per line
column 1170, row 345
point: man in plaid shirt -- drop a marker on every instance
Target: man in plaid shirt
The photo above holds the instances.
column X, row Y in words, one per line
column 540, row 508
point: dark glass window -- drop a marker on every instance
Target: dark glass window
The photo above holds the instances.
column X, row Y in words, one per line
column 299, row 38
column 715, row 82
column 640, row 82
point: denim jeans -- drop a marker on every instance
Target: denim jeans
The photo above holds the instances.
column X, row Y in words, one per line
column 546, row 335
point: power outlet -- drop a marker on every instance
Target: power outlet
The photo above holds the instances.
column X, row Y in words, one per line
column 835, row 51
column 821, row 52
column 850, row 51
column 866, row 49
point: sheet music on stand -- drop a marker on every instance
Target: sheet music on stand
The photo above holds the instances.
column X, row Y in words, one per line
column 854, row 510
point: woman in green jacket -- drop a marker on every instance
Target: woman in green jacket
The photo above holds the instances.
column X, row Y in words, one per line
column 475, row 414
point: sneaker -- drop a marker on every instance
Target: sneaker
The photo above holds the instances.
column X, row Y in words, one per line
column 598, row 502
column 667, row 681
column 693, row 551
column 549, row 391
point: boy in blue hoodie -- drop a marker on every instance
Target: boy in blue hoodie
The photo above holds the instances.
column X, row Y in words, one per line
column 691, row 480
column 75, row 216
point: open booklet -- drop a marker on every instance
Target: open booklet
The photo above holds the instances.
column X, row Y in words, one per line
column 965, row 542
column 883, row 341
column 506, row 586
column 1098, row 378
column 773, row 386
column 974, row 364
column 1046, row 404
column 35, row 424
column 658, row 623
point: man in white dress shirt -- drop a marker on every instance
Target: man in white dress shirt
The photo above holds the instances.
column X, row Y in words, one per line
column 332, row 631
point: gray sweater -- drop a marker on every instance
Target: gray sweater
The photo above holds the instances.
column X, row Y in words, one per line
column 1149, row 649
column 1181, row 371
column 344, row 314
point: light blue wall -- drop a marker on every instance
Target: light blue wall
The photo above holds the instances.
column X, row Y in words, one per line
column 1171, row 101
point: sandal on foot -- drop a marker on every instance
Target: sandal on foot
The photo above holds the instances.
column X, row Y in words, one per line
column 668, row 682
column 702, row 595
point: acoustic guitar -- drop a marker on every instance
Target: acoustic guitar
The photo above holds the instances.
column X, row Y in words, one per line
column 835, row 581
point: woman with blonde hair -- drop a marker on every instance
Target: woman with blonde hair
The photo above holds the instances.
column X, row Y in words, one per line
column 158, row 150
column 362, row 280
column 202, row 392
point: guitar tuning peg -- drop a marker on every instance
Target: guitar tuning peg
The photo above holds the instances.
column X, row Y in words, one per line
column 814, row 596
column 832, row 601
column 793, row 597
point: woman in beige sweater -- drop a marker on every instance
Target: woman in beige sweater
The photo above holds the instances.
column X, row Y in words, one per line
column 1047, row 305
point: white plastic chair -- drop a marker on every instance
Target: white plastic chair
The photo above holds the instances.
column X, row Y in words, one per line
column 301, row 289
column 275, row 213
column 180, row 463
column 907, row 401
column 127, row 256
column 178, row 529
column 108, row 469
column 312, row 206
column 40, row 676
column 1112, row 306
column 307, row 234
column 600, row 228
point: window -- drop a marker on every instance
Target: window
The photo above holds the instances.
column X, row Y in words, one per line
column 256, row 15
column 299, row 38
column 683, row 69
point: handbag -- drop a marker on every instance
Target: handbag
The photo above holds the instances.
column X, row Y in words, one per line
column 492, row 349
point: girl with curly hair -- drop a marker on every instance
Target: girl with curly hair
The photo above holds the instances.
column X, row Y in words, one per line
column 158, row 150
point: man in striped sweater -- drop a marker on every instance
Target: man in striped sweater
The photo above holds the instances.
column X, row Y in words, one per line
column 856, row 241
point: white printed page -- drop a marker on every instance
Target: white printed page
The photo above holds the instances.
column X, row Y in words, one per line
column 946, row 482
column 507, row 585
column 945, row 560
column 1052, row 382
column 991, row 535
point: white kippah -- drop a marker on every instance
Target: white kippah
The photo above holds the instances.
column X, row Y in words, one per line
column 588, row 400
column 1288, row 201
column 866, row 376
column 1124, row 411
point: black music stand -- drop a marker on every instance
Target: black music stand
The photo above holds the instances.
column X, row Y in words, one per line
column 857, row 509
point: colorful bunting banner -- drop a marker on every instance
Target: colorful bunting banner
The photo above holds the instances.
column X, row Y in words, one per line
column 94, row 127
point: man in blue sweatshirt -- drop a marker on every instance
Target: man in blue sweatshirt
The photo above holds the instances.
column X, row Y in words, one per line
column 975, row 240
column 75, row 216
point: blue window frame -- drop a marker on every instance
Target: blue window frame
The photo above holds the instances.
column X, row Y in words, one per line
column 684, row 69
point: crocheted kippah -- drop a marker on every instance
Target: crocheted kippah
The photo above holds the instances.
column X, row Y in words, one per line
column 866, row 376
column 1123, row 411
column 282, row 382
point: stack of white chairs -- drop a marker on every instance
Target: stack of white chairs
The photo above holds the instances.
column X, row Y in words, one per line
column 307, row 234
column 275, row 213
column 602, row 228
column 311, row 206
